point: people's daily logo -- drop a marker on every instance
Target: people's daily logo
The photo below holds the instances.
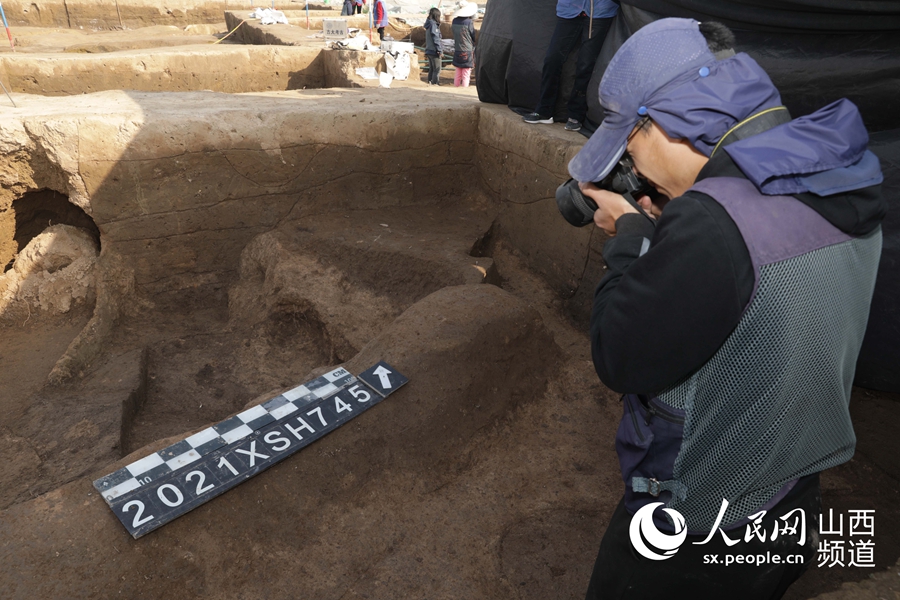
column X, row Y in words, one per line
column 858, row 551
column 649, row 541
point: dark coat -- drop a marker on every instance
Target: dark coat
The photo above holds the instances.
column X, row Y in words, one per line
column 703, row 257
column 464, row 38
column 432, row 38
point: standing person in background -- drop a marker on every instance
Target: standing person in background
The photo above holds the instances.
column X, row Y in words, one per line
column 359, row 5
column 464, row 42
column 433, row 49
column 381, row 17
column 347, row 9
column 585, row 20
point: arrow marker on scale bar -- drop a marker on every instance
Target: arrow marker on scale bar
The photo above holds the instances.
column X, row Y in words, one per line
column 383, row 379
column 383, row 376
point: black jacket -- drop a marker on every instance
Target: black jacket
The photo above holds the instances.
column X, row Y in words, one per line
column 464, row 38
column 432, row 38
column 658, row 317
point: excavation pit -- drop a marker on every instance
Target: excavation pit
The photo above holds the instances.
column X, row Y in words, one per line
column 246, row 242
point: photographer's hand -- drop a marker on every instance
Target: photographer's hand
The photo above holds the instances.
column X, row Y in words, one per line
column 610, row 206
column 653, row 207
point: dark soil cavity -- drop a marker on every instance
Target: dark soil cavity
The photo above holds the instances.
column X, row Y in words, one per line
column 35, row 211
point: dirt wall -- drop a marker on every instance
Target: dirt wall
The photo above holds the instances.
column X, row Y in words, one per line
column 252, row 32
column 523, row 170
column 114, row 14
column 149, row 169
column 296, row 33
column 38, row 40
column 204, row 67
column 179, row 183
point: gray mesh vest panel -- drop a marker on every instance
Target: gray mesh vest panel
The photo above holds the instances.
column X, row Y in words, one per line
column 772, row 404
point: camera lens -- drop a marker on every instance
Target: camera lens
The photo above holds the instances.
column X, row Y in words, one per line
column 574, row 206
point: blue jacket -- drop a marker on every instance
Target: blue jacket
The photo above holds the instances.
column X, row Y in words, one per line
column 569, row 9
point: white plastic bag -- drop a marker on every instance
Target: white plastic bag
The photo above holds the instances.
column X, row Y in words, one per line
column 367, row 72
column 268, row 16
column 397, row 64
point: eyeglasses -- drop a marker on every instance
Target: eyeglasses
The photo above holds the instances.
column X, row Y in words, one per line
column 640, row 125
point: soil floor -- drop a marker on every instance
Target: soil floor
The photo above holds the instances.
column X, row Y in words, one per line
column 515, row 508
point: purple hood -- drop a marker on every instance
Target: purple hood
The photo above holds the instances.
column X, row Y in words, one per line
column 823, row 153
column 667, row 72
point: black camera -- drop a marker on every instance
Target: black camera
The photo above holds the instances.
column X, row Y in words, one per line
column 578, row 209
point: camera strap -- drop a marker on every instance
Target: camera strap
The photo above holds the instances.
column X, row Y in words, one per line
column 761, row 121
column 630, row 199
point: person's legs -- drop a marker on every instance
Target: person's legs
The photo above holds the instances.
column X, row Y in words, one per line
column 457, row 77
column 584, row 66
column 434, row 70
column 465, row 74
column 565, row 37
column 616, row 562
column 381, row 33
column 710, row 571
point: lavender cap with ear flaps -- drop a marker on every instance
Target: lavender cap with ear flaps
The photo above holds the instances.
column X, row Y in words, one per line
column 655, row 55
column 666, row 70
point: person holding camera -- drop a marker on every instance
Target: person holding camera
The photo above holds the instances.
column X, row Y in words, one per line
column 732, row 313
column 585, row 21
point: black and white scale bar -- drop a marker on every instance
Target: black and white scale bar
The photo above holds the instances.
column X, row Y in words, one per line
column 190, row 450
column 159, row 502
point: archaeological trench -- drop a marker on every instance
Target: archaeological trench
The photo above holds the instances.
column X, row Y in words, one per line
column 188, row 231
